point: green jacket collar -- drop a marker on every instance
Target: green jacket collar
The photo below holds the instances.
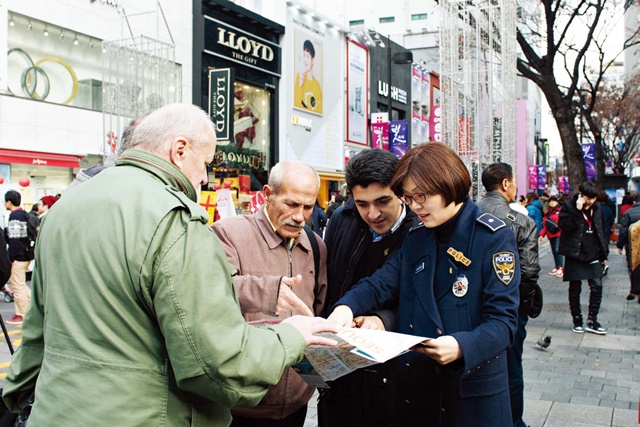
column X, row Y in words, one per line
column 164, row 170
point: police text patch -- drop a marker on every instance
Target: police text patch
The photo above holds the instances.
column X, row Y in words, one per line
column 504, row 264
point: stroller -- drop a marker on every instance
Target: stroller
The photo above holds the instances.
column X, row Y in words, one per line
column 6, row 293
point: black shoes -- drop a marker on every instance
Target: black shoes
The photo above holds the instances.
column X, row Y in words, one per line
column 596, row 328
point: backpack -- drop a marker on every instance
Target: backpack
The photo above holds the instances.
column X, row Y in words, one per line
column 551, row 226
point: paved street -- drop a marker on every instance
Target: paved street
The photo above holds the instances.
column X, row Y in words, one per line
column 581, row 381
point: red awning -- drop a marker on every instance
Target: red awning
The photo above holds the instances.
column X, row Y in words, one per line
column 39, row 159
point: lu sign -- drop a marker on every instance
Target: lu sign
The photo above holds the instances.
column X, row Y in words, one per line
column 220, row 103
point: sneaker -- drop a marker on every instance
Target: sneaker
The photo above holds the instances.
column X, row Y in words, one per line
column 15, row 320
column 553, row 272
column 596, row 328
column 605, row 270
column 578, row 329
column 560, row 272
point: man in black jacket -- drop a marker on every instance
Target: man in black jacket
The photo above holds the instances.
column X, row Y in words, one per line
column 585, row 248
column 359, row 238
column 499, row 181
column 628, row 219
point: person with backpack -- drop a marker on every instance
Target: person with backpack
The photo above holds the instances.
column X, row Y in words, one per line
column 20, row 235
column 551, row 230
column 534, row 208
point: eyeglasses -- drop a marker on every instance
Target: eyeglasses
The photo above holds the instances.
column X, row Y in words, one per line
column 419, row 198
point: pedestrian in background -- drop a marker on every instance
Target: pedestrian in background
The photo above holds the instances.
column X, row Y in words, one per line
column 318, row 219
column 20, row 235
column 500, row 182
column 583, row 244
column 266, row 249
column 360, row 237
column 608, row 218
column 336, row 202
column 534, row 209
column 551, row 230
column 631, row 246
column 140, row 319
column 456, row 281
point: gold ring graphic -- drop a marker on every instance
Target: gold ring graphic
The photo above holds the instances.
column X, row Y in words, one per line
column 65, row 64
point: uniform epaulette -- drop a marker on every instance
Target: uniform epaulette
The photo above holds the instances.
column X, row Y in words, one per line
column 491, row 222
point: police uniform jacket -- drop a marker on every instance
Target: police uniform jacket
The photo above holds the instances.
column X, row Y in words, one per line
column 472, row 295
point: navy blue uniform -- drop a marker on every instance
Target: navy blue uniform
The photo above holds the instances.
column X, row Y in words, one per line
column 472, row 295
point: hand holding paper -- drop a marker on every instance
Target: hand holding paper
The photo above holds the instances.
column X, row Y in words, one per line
column 342, row 317
column 443, row 349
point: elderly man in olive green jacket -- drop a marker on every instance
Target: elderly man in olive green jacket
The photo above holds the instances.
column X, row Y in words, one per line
column 133, row 321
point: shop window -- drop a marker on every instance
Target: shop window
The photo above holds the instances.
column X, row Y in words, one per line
column 53, row 64
column 387, row 19
column 242, row 164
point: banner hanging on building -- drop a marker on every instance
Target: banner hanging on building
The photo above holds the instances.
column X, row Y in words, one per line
column 380, row 135
column 542, row 177
column 399, row 137
column 533, row 177
column 589, row 155
column 357, row 108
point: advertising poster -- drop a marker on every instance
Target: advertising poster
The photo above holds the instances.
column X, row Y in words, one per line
column 380, row 135
column 435, row 124
column 426, row 95
column 589, row 155
column 399, row 137
column 357, row 73
column 416, row 127
column 561, row 184
column 533, row 177
column 307, row 90
column 542, row 177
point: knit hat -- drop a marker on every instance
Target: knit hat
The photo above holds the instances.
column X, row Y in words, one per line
column 49, row 200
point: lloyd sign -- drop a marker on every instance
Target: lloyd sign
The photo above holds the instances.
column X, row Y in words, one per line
column 239, row 46
column 221, row 102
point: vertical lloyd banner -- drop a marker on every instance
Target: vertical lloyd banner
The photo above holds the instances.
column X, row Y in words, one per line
column 220, row 102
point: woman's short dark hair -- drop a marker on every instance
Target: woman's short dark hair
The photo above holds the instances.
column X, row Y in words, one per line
column 436, row 169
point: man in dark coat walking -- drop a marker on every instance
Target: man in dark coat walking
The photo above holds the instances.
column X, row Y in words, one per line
column 585, row 248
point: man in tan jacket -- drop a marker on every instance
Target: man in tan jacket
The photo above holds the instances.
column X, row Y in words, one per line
column 276, row 277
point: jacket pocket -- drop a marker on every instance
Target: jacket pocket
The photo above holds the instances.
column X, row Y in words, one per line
column 491, row 378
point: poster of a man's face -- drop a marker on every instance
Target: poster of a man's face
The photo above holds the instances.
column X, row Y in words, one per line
column 307, row 91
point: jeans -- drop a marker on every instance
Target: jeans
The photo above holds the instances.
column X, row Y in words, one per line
column 595, row 298
column 555, row 244
column 516, row 374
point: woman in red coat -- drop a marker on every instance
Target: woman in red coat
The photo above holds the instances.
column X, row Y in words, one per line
column 552, row 231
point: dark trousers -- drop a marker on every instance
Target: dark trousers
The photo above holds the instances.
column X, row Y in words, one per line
column 516, row 374
column 595, row 298
column 554, row 243
column 294, row 420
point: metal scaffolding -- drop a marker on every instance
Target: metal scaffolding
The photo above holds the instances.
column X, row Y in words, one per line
column 478, row 64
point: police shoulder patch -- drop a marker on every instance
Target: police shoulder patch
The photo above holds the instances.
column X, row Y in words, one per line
column 491, row 222
column 504, row 264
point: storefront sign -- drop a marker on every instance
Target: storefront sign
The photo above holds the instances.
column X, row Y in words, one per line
column 239, row 46
column 303, row 122
column 397, row 94
column 220, row 102
column 435, row 124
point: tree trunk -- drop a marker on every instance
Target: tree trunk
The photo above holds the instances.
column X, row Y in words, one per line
column 574, row 161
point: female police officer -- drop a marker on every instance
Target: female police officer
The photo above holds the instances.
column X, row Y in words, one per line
column 456, row 281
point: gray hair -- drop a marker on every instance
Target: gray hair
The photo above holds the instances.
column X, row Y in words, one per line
column 166, row 123
column 278, row 172
column 125, row 139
